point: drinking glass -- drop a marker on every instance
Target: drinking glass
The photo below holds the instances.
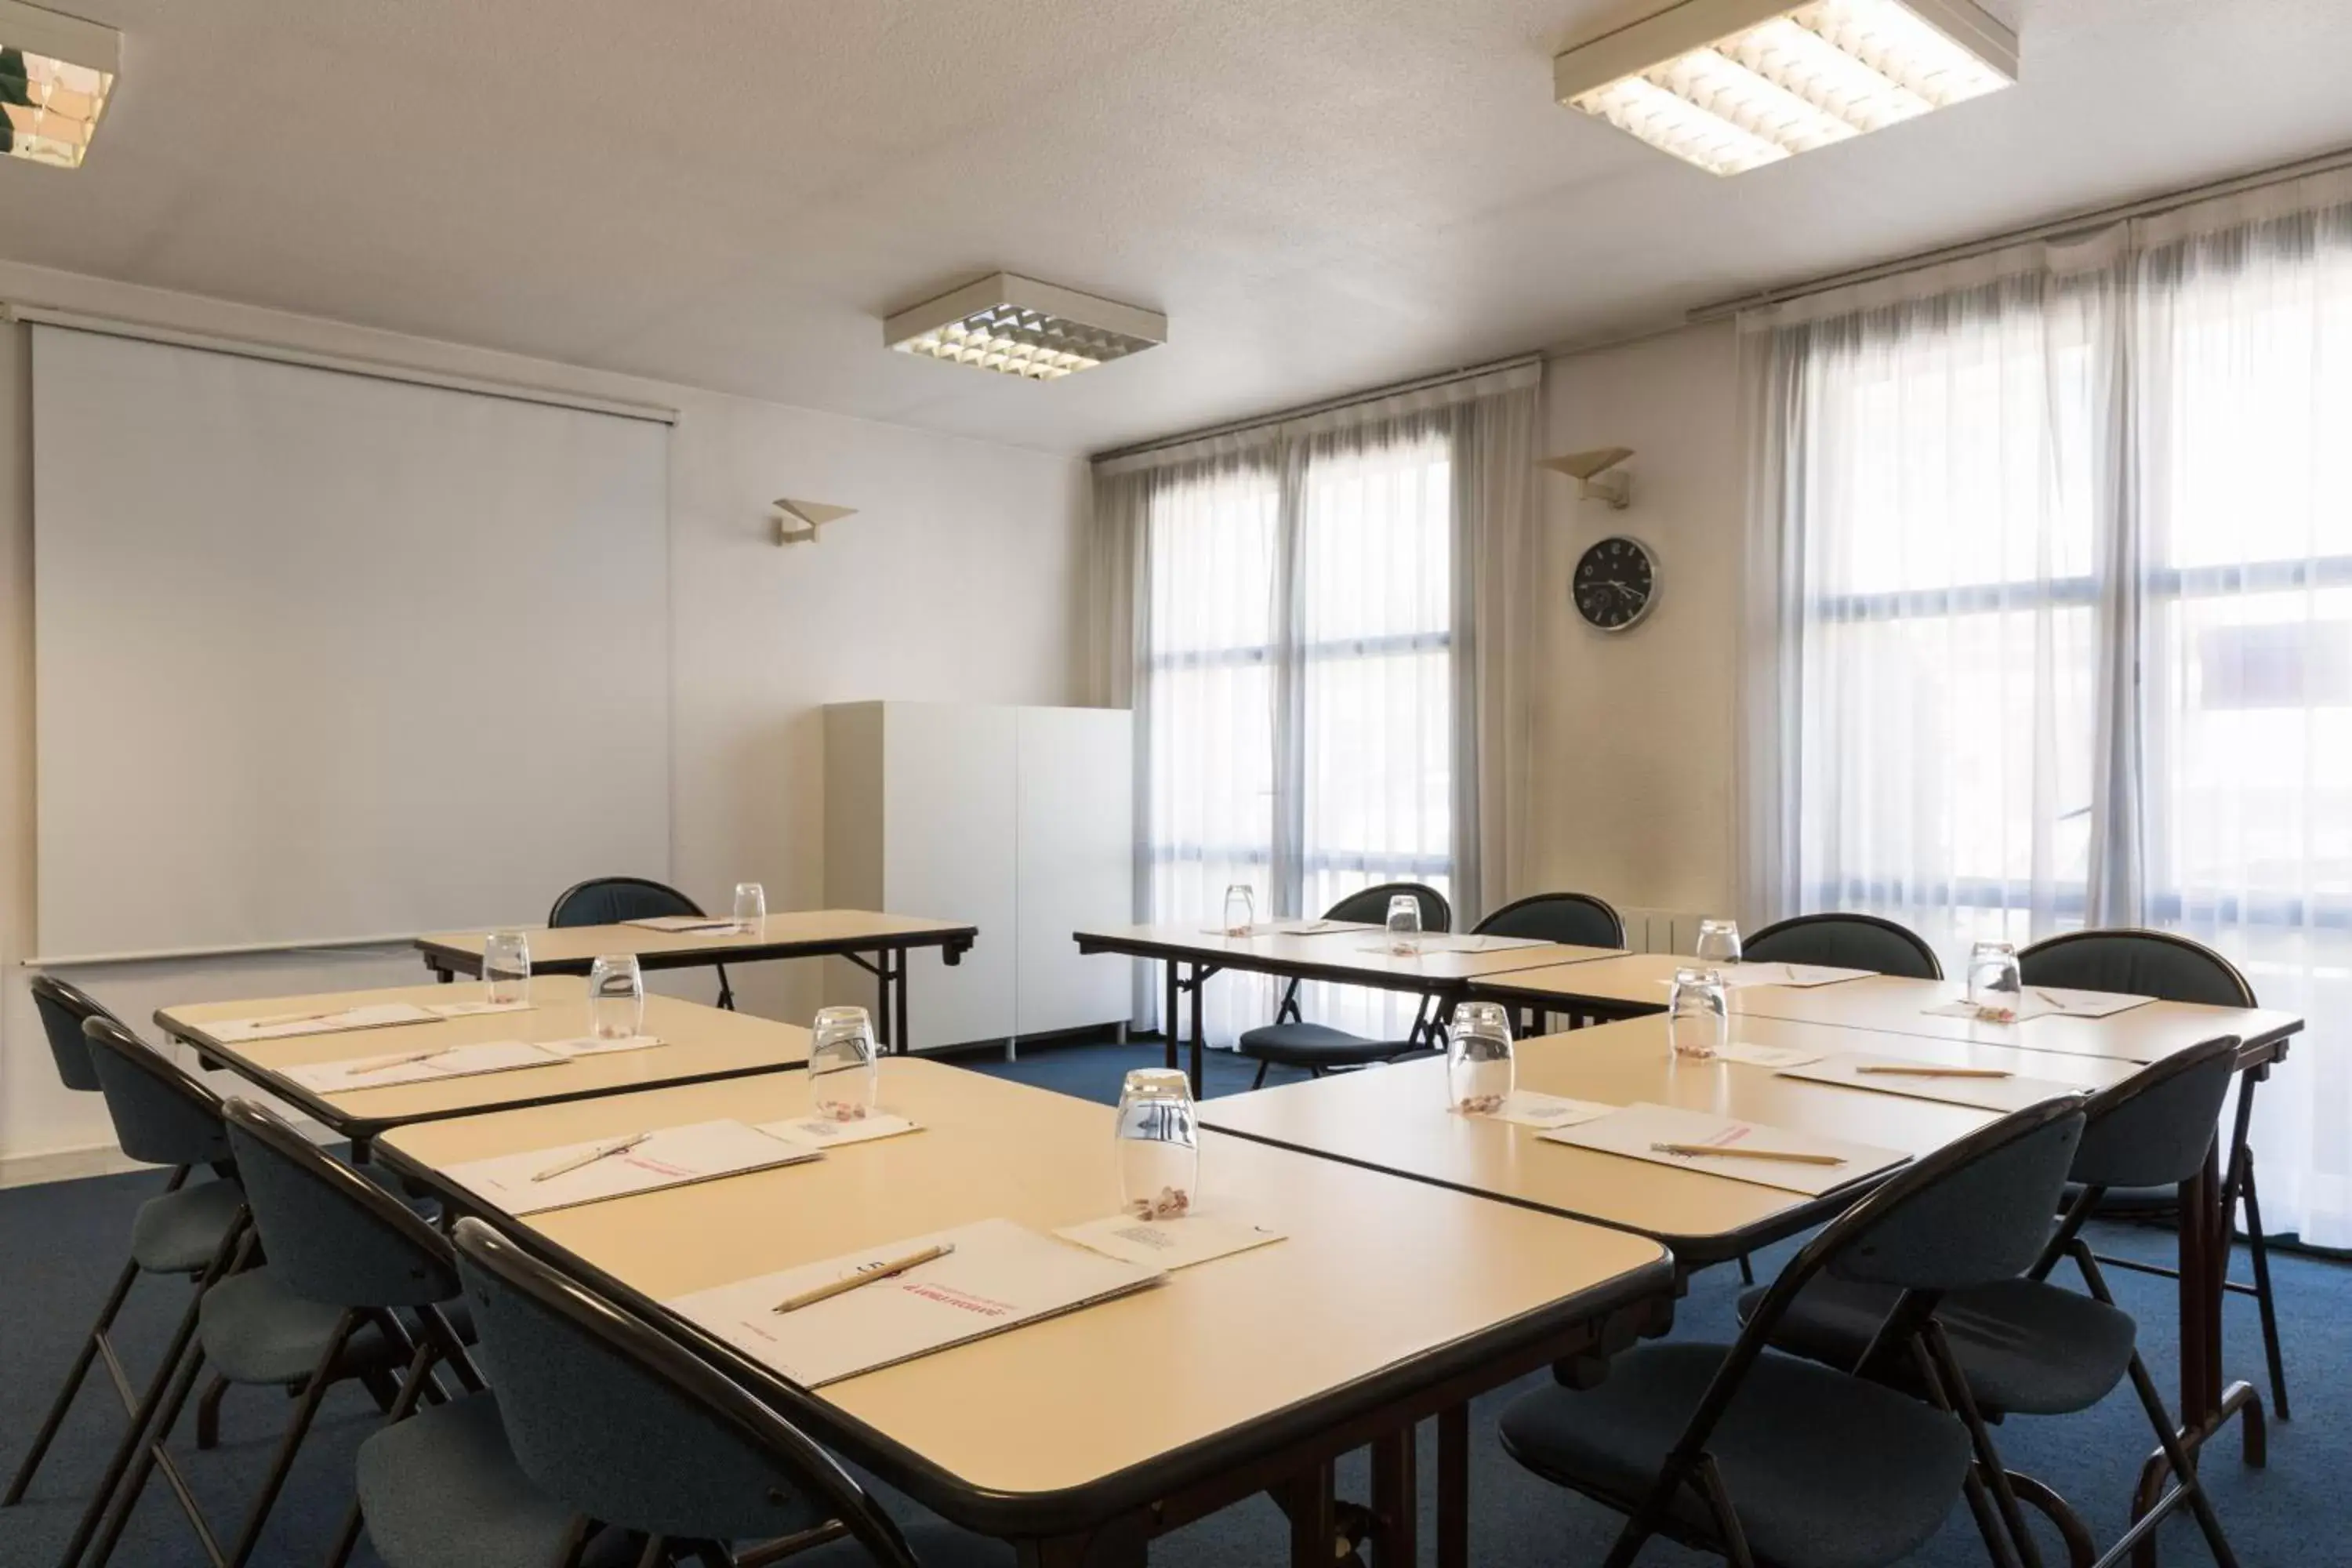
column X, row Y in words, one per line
column 1159, row 1144
column 1404, row 924
column 1995, row 986
column 843, row 1077
column 1718, row 943
column 750, row 909
column 1698, row 1014
column 616, row 998
column 1240, row 910
column 1478, row 1068
column 506, row 967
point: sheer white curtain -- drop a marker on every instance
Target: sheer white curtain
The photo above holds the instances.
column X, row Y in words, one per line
column 1313, row 612
column 2051, row 615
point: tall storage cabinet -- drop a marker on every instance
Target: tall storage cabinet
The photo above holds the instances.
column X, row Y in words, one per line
column 1019, row 820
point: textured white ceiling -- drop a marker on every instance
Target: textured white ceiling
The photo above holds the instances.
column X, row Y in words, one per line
column 1322, row 194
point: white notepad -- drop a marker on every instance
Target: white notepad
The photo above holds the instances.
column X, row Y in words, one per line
column 999, row 1275
column 681, row 923
column 2048, row 1002
column 389, row 1070
column 291, row 1025
column 590, row 1046
column 1632, row 1131
column 668, row 1157
column 1525, row 1108
column 824, row 1133
column 2012, row 1093
column 474, row 1009
column 1169, row 1243
column 1798, row 976
column 1765, row 1056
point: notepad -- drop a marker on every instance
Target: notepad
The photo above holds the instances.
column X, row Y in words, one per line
column 668, row 1157
column 293, row 1024
column 2004, row 1094
column 2047, row 1001
column 1000, row 1276
column 1632, row 1131
column 1323, row 928
column 474, row 1009
column 390, row 1070
column 1799, row 976
column 1170, row 1243
column 597, row 1045
column 679, row 923
column 1765, row 1056
column 1525, row 1108
column 824, row 1133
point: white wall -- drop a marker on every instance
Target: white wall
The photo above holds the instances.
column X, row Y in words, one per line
column 957, row 581
column 1633, row 730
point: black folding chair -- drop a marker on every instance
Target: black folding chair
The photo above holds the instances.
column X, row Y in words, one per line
column 1291, row 1041
column 609, row 900
column 1845, row 941
column 1766, row 1459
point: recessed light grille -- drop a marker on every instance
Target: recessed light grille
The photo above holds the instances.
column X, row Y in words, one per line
column 1018, row 326
column 56, row 75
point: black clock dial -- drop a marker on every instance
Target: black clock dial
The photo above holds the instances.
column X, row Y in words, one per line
column 1614, row 584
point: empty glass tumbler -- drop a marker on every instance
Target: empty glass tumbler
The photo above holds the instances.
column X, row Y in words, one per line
column 505, row 968
column 1240, row 910
column 1479, row 1072
column 1698, row 1014
column 1404, row 924
column 1718, row 943
column 616, row 998
column 843, row 1077
column 1159, row 1144
column 750, row 909
column 1995, row 984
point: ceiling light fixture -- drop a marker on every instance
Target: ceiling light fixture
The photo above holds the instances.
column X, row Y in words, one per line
column 1733, row 84
column 1021, row 327
column 56, row 74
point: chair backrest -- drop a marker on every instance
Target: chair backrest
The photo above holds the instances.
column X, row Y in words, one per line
column 1845, row 941
column 63, row 1008
column 608, row 900
column 1370, row 906
column 330, row 1233
column 2154, row 1128
column 2138, row 963
column 624, row 1423
column 1578, row 920
column 162, row 1114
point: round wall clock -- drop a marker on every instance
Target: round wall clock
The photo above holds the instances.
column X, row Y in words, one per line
column 1615, row 584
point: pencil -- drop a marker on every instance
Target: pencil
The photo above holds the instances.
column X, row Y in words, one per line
column 1786, row 1156
column 866, row 1274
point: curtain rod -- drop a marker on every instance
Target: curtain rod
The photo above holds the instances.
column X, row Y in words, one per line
column 346, row 365
column 1345, row 400
column 2054, row 229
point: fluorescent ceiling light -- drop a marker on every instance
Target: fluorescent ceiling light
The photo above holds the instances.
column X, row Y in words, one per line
column 1021, row 327
column 1732, row 84
column 56, row 74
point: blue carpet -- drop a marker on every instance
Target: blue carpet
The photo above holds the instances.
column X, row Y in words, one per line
column 59, row 1244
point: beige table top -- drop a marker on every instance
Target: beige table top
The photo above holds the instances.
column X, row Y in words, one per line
column 704, row 1042
column 1394, row 1118
column 1415, row 1276
column 812, row 930
column 1892, row 1005
column 1338, row 955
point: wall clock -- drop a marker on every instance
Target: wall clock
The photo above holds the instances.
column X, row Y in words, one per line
column 1615, row 584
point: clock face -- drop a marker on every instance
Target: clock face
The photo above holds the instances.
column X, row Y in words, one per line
column 1614, row 584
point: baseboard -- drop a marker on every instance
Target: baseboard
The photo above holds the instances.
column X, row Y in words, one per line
column 66, row 1165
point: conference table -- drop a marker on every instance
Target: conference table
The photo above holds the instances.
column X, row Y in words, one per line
column 877, row 943
column 1080, row 1437
column 700, row 1044
column 1442, row 966
column 1394, row 1120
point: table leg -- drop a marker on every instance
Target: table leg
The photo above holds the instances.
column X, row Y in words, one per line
column 1314, row 1521
column 898, row 1010
column 1168, row 1015
column 1199, row 1040
column 885, row 1030
column 1454, row 1487
column 1396, row 1534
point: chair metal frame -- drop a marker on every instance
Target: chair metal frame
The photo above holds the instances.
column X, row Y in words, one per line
column 1427, row 1017
column 2237, row 1167
column 853, row 1510
column 556, row 921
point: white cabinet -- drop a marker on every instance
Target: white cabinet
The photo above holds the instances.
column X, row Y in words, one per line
column 1017, row 819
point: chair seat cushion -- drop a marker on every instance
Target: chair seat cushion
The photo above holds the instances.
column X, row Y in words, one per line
column 178, row 1233
column 442, row 1489
column 2026, row 1347
column 254, row 1329
column 1824, row 1471
column 1318, row 1046
column 2131, row 1203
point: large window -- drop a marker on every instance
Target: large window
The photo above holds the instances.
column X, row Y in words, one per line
column 1299, row 679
